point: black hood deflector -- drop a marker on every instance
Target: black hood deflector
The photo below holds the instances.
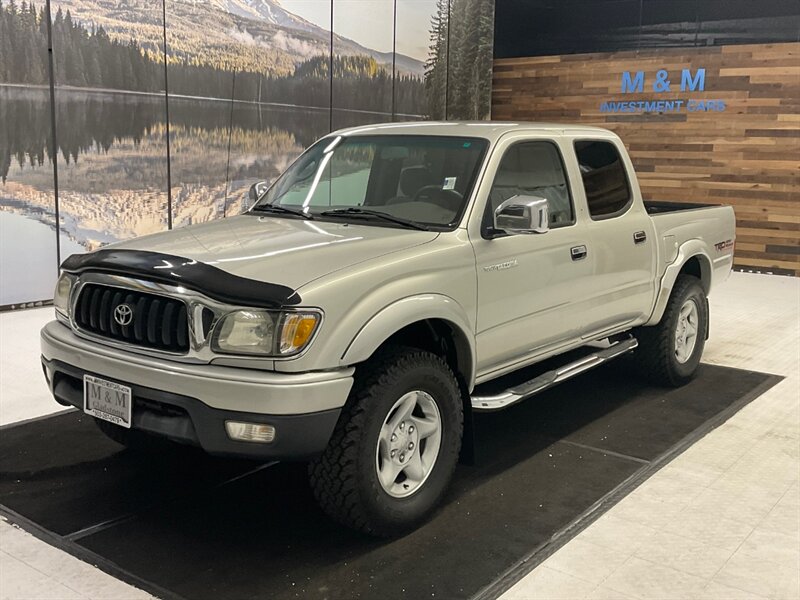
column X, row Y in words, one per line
column 191, row 274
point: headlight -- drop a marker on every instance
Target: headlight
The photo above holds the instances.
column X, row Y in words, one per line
column 265, row 332
column 62, row 293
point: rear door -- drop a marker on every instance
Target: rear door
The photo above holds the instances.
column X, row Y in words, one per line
column 619, row 238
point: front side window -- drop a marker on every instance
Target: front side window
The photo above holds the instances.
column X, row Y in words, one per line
column 604, row 179
column 422, row 179
column 534, row 169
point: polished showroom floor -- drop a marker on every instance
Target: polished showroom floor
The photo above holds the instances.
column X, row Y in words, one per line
column 722, row 520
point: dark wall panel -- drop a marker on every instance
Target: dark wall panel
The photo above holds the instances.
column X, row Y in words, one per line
column 550, row 27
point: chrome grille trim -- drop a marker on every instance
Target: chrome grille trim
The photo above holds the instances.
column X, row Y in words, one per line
column 157, row 322
column 198, row 350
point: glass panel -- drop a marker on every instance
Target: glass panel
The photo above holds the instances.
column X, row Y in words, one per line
column 201, row 61
column 303, row 42
column 362, row 62
column 265, row 140
column 199, row 133
column 229, row 65
column 469, row 76
column 419, row 84
column 110, row 121
column 28, row 254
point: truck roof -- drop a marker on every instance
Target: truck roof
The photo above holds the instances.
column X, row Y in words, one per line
column 491, row 130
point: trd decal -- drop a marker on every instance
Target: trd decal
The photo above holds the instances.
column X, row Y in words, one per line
column 720, row 246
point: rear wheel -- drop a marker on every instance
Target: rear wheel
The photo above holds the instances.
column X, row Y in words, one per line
column 669, row 353
column 395, row 446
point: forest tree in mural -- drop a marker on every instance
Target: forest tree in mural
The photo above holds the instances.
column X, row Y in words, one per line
column 23, row 59
column 459, row 66
column 88, row 57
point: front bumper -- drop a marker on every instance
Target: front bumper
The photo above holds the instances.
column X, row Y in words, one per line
column 190, row 403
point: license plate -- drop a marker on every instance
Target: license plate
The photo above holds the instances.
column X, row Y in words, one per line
column 107, row 400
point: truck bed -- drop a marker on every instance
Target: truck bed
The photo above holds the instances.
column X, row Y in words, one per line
column 657, row 207
column 709, row 230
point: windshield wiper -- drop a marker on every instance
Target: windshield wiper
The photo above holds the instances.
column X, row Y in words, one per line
column 352, row 210
column 278, row 208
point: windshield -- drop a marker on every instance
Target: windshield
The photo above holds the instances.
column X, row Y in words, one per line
column 421, row 179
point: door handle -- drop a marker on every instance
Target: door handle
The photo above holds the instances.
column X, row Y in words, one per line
column 640, row 237
column 578, row 252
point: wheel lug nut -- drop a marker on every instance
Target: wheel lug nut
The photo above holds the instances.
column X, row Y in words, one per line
column 410, row 445
column 402, row 425
column 402, row 457
column 394, row 437
column 393, row 453
column 410, row 429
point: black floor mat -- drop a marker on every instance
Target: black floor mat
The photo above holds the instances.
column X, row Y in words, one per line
column 180, row 523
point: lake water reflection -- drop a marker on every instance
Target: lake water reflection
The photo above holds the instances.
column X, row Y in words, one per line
column 112, row 164
column 29, row 273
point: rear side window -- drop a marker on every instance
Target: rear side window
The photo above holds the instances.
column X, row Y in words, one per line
column 604, row 178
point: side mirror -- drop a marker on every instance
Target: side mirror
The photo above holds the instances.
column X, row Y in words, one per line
column 522, row 215
column 256, row 191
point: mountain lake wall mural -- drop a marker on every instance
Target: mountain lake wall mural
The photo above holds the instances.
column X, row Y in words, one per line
column 162, row 114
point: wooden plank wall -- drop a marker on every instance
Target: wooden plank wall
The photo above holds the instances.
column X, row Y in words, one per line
column 747, row 156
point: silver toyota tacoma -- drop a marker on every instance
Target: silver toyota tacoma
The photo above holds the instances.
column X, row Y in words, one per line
column 372, row 298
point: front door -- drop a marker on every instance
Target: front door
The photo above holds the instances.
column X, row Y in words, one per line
column 527, row 284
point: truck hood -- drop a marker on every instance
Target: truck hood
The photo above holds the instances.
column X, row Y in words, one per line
column 289, row 252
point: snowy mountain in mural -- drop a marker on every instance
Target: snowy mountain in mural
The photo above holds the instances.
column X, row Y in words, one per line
column 224, row 32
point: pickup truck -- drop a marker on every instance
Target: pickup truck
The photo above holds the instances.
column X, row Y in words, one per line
column 374, row 297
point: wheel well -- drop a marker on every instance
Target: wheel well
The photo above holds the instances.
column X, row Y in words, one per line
column 442, row 338
column 448, row 341
column 698, row 266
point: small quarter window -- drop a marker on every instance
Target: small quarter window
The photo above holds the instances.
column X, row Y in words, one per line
column 604, row 179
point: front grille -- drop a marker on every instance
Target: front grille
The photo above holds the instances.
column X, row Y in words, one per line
column 156, row 321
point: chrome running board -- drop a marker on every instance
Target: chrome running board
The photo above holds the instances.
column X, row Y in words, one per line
column 551, row 378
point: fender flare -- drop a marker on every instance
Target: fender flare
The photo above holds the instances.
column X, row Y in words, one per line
column 690, row 249
column 412, row 309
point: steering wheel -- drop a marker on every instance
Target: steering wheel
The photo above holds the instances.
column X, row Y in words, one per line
column 447, row 199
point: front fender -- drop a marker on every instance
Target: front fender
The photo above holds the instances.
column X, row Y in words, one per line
column 392, row 318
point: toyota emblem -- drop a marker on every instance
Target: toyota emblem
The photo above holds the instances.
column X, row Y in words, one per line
column 123, row 314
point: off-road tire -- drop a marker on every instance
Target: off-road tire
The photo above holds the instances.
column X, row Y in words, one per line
column 655, row 355
column 130, row 438
column 344, row 478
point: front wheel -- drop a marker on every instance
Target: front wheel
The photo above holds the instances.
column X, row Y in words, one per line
column 395, row 446
column 669, row 353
